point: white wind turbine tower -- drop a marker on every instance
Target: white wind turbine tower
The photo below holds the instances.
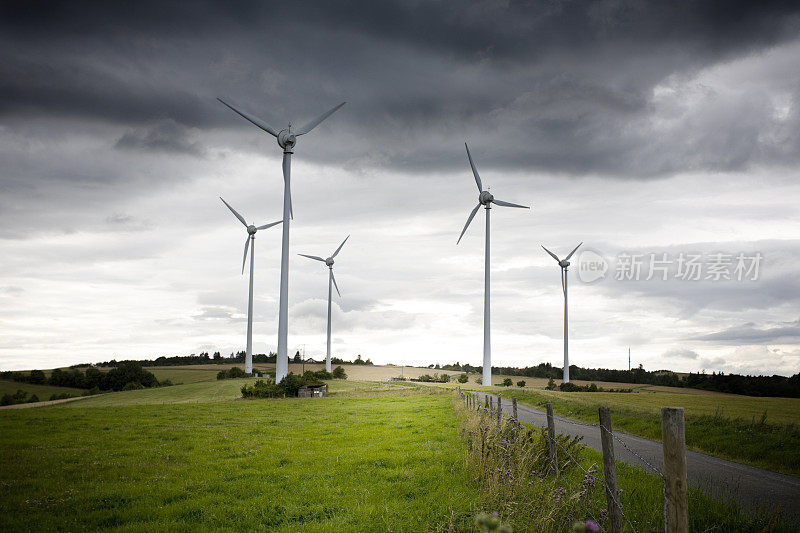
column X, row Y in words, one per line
column 485, row 199
column 331, row 280
column 564, row 264
column 287, row 139
column 251, row 236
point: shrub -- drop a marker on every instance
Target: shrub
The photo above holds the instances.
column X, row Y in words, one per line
column 339, row 373
column 232, row 373
column 262, row 389
column 133, row 385
column 507, row 382
column 479, row 380
column 33, row 399
column 551, row 384
column 521, row 383
column 463, row 378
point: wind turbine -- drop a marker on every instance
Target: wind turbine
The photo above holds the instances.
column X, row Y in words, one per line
column 287, row 139
column 564, row 264
column 251, row 236
column 331, row 279
column 486, row 200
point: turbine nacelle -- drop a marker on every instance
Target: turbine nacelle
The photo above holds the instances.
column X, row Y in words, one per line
column 564, row 263
column 251, row 229
column 286, row 139
column 485, row 198
column 329, row 262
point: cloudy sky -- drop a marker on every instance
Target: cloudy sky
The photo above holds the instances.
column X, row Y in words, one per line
column 653, row 132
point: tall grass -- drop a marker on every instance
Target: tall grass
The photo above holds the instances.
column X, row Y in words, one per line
column 511, row 466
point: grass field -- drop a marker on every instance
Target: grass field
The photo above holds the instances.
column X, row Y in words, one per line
column 339, row 464
column 724, row 425
column 42, row 391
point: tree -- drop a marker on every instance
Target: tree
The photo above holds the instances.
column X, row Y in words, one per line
column 339, row 373
column 507, row 382
column 297, row 357
column 479, row 380
column 551, row 385
column 521, row 383
column 463, row 378
column 37, row 377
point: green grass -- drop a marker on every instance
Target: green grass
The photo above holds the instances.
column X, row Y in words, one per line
column 42, row 391
column 186, row 375
column 516, row 482
column 727, row 426
column 337, row 464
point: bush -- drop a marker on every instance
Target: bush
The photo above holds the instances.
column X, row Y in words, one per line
column 521, row 383
column 479, row 380
column 133, row 385
column 33, row 399
column 339, row 373
column 288, row 386
column 551, row 384
column 507, row 382
column 463, row 378
column 232, row 373
column 262, row 389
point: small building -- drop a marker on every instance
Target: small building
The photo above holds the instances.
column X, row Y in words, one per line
column 312, row 391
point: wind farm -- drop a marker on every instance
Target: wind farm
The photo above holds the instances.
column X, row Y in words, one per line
column 147, row 383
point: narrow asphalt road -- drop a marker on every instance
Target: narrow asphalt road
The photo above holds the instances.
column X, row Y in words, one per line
column 753, row 488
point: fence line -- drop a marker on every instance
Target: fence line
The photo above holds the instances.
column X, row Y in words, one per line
column 674, row 448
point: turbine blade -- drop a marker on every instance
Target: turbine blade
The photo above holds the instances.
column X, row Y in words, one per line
column 240, row 217
column 265, row 226
column 252, row 118
column 572, row 252
column 335, row 285
column 314, row 123
column 474, row 170
column 563, row 279
column 508, row 204
column 471, row 216
column 554, row 256
column 313, row 257
column 340, row 247
column 246, row 245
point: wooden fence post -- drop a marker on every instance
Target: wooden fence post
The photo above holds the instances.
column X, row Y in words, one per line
column 489, row 404
column 551, row 437
column 499, row 412
column 514, row 407
column 676, row 501
column 610, row 470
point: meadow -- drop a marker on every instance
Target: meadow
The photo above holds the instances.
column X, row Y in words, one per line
column 392, row 462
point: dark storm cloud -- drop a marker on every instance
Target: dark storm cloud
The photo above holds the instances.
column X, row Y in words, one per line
column 750, row 333
column 564, row 86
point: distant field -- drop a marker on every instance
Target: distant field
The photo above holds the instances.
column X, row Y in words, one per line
column 42, row 391
column 195, row 373
column 340, row 464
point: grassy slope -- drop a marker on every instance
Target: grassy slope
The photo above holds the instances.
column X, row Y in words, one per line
column 42, row 391
column 340, row 464
column 731, row 434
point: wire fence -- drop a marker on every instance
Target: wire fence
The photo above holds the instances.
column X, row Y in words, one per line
column 675, row 502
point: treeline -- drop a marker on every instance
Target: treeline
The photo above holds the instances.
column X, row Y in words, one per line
column 204, row 358
column 125, row 376
column 716, row 381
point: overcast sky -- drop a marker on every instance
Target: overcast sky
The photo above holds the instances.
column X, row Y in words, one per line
column 638, row 128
